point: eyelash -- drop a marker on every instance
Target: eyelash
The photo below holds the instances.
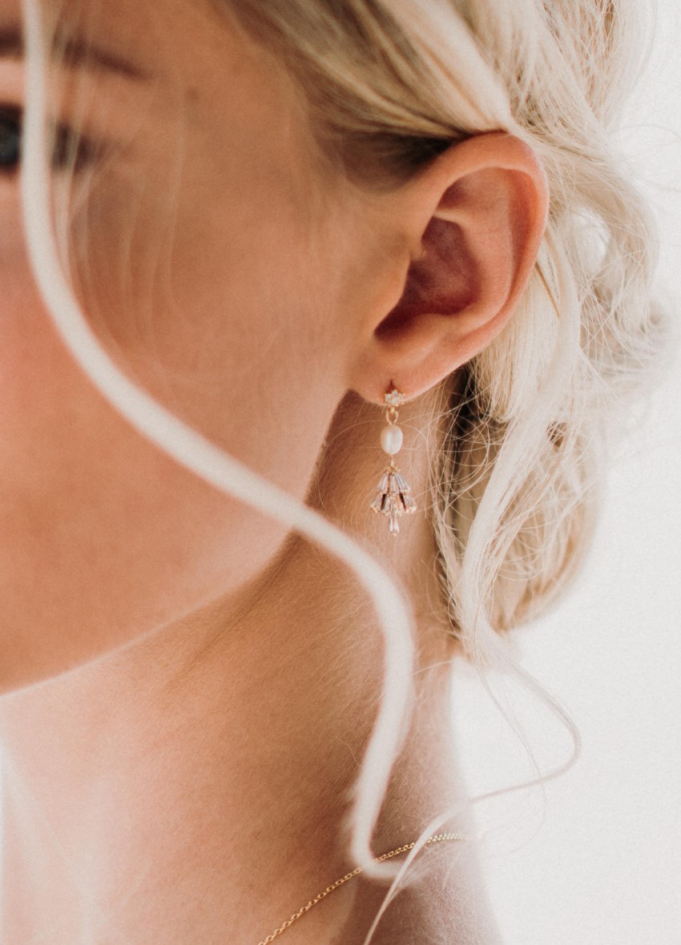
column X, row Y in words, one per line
column 69, row 150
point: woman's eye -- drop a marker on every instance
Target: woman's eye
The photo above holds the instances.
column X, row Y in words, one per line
column 10, row 141
column 68, row 150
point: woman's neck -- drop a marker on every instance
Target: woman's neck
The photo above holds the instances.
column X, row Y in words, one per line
column 194, row 787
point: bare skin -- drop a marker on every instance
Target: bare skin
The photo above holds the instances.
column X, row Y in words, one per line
column 188, row 689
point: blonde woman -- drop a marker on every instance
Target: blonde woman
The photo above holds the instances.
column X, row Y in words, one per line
column 274, row 275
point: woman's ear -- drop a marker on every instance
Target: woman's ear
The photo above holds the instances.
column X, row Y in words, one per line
column 475, row 218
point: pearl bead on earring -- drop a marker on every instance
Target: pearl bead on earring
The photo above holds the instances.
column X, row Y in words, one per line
column 392, row 439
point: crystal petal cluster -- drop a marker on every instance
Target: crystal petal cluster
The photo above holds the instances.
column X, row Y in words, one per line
column 393, row 498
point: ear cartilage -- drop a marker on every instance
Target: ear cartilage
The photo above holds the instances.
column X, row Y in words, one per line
column 393, row 497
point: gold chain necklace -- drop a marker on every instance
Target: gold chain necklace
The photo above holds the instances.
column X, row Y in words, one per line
column 436, row 838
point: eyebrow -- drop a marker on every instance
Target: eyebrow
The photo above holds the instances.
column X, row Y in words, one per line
column 77, row 54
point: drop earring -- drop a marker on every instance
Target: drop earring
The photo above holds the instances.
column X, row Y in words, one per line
column 393, row 497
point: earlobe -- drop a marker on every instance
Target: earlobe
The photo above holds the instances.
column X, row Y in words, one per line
column 482, row 216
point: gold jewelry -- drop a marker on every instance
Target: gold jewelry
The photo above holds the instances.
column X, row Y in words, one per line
column 393, row 497
column 436, row 838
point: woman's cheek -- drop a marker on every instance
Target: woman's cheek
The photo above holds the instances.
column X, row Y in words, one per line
column 102, row 537
column 222, row 309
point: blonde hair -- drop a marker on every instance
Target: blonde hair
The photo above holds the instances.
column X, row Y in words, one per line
column 389, row 84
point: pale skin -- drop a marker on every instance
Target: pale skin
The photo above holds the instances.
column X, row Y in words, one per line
column 188, row 690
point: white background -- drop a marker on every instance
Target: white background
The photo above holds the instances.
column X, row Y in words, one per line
column 595, row 859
